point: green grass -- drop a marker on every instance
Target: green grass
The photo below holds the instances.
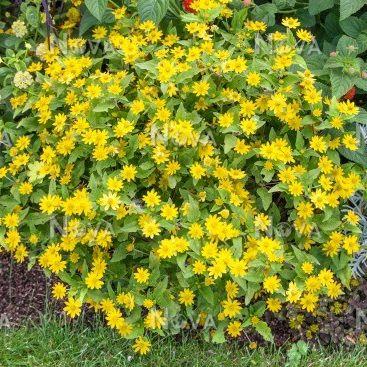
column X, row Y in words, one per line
column 54, row 343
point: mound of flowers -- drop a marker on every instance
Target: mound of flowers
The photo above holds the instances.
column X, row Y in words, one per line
column 180, row 174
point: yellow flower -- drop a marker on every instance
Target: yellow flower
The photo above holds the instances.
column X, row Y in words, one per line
column 149, row 226
column 352, row 217
column 114, row 184
column 309, row 301
column 11, row 220
column 93, row 280
column 142, row 275
column 307, row 267
column 231, row 289
column 262, row 222
column 197, row 171
column 25, row 188
column 272, row 284
column 58, row 291
column 142, row 345
column 231, row 308
column 21, row 253
column 73, row 307
column 109, row 201
column 348, row 108
column 199, row 267
column 225, row 120
column 318, row 143
column 304, row 35
column 234, row 329
column 350, row 142
column 274, row 304
column 196, row 231
column 129, row 172
column 186, row 297
column 325, row 277
column 99, row 33
column 351, row 244
column 154, row 319
column 334, row 290
column 50, row 203
column 151, row 198
column 293, row 293
column 201, row 88
column 291, row 22
column 148, row 303
column 253, row 78
column 169, row 211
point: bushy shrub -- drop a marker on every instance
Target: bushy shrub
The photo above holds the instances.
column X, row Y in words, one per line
column 340, row 30
column 190, row 172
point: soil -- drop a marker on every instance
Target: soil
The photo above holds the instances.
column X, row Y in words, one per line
column 23, row 294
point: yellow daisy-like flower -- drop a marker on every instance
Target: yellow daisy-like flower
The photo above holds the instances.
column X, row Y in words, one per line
column 142, row 345
column 291, row 23
column 186, row 297
column 142, row 275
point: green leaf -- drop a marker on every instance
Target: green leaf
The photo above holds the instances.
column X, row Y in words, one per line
column 361, row 118
column 194, row 211
column 362, row 84
column 104, row 107
column 96, row 7
column 153, row 10
column 352, row 26
column 208, row 294
column 362, row 42
column 264, row 330
column 88, row 21
column 229, row 143
column 161, row 288
column 266, row 13
column 349, row 7
column 341, row 83
column 306, row 19
column 119, row 254
column 252, row 288
column 237, row 247
column 347, row 46
column 218, row 336
column 150, row 65
column 239, row 18
column 32, row 16
column 356, row 157
column 130, row 225
column 301, row 256
column 317, row 6
column 266, row 197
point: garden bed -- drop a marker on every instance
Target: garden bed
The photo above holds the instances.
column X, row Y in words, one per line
column 24, row 294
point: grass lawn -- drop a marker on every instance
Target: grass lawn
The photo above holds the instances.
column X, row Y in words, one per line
column 55, row 344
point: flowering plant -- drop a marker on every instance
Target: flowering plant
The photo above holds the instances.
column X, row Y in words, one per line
column 196, row 174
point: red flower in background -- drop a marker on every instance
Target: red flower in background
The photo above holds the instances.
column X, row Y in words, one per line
column 186, row 4
column 350, row 94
